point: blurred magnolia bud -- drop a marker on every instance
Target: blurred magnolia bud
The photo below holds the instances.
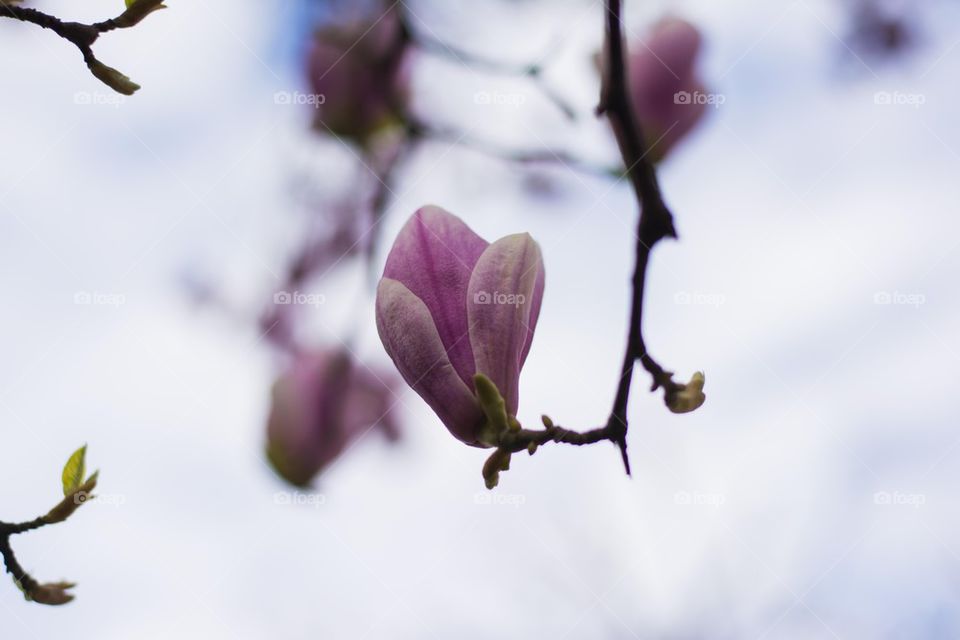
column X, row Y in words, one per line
column 667, row 96
column 320, row 406
column 359, row 76
column 690, row 397
column 880, row 30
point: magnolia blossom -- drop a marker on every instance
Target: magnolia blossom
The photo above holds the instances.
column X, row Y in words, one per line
column 667, row 96
column 358, row 76
column 320, row 406
column 451, row 306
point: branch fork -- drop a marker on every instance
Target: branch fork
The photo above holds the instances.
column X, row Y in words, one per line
column 655, row 223
column 77, row 492
column 83, row 36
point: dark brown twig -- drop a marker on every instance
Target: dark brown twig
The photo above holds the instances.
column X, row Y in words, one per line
column 83, row 36
column 54, row 593
column 20, row 576
column 655, row 220
column 534, row 71
column 521, row 439
column 654, row 224
column 422, row 131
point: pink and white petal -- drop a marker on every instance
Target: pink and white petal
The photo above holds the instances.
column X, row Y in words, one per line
column 675, row 43
column 536, row 301
column 411, row 339
column 433, row 256
column 501, row 300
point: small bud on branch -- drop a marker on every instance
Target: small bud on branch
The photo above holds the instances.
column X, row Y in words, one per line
column 76, row 492
column 83, row 36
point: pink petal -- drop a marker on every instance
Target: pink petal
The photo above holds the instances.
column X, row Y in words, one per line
column 304, row 430
column 411, row 338
column 320, row 406
column 534, row 311
column 675, row 43
column 371, row 402
column 503, row 303
column 433, row 257
column 659, row 69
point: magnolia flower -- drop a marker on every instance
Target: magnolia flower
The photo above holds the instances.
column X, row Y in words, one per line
column 667, row 97
column 324, row 403
column 452, row 306
column 358, row 75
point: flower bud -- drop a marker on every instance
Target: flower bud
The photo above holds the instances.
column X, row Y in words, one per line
column 666, row 94
column 451, row 308
column 320, row 406
column 113, row 78
column 359, row 76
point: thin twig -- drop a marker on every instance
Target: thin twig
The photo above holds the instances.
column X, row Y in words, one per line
column 83, row 36
column 7, row 529
column 420, row 130
column 521, row 439
column 432, row 45
column 20, row 576
column 54, row 593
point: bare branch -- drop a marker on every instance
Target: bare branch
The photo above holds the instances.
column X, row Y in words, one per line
column 54, row 593
column 84, row 35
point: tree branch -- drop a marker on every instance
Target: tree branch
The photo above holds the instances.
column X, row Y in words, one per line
column 53, row 593
column 7, row 529
column 83, row 36
column 75, row 495
column 20, row 576
column 655, row 222
column 530, row 439
column 431, row 45
column 420, row 130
